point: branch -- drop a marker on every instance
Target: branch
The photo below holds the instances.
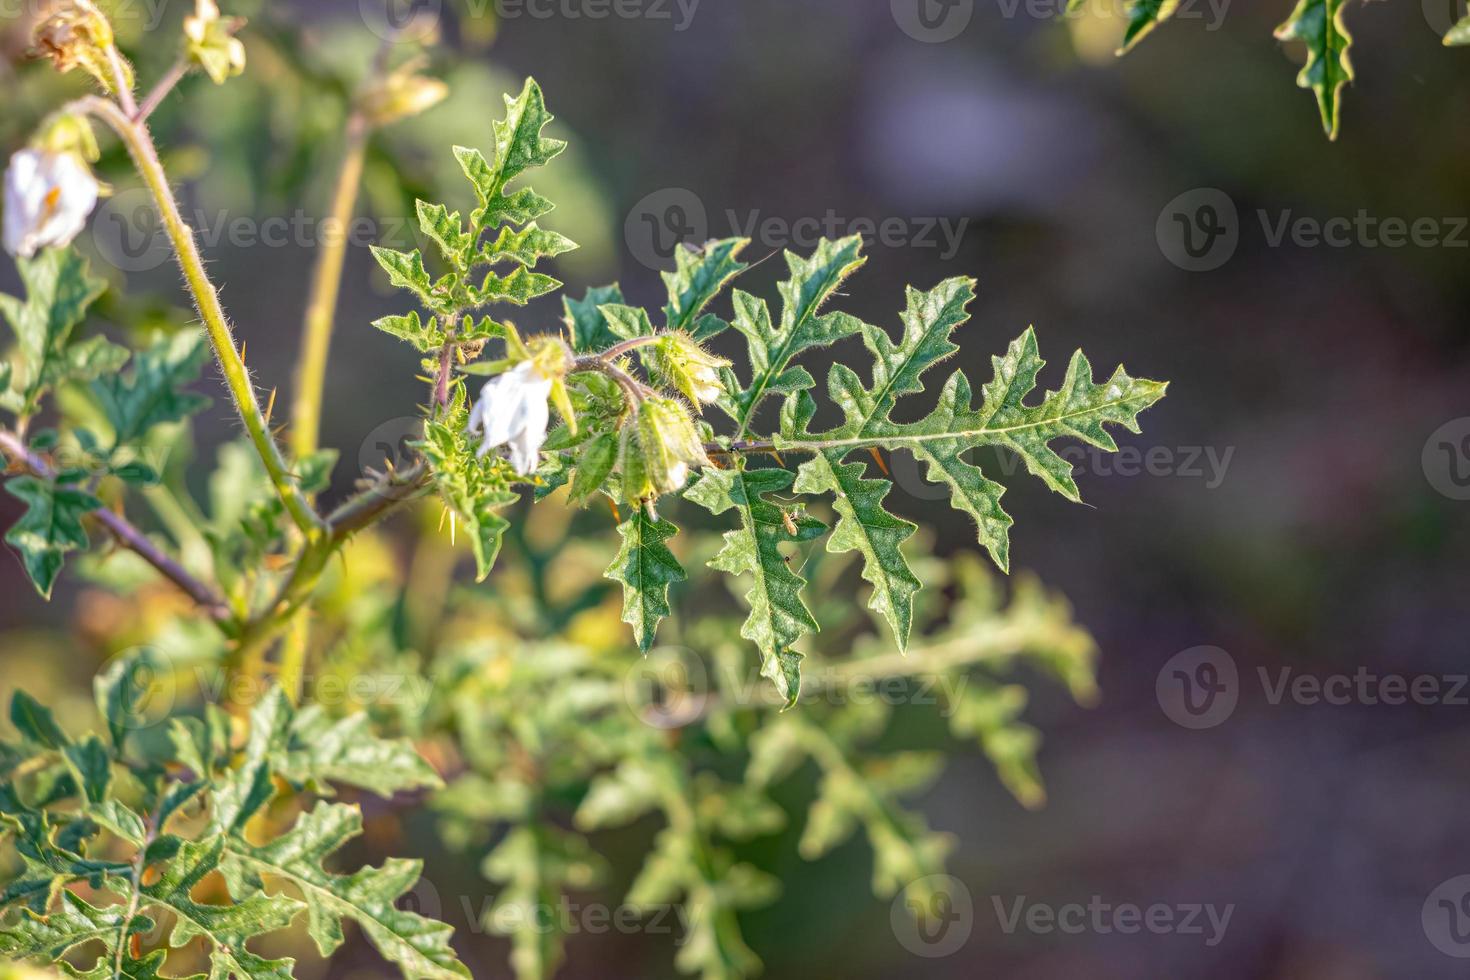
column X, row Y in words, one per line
column 206, row 299
column 126, row 535
column 326, row 283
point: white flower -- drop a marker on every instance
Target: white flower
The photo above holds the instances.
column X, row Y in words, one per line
column 513, row 411
column 48, row 197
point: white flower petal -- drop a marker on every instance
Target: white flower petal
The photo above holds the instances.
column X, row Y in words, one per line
column 48, row 197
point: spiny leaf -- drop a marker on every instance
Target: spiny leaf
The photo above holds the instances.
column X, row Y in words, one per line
column 1080, row 409
column 778, row 616
column 586, row 324
column 772, row 347
column 406, row 271
column 646, row 567
column 527, row 246
column 1319, row 25
column 151, row 395
column 50, row 528
column 864, row 526
column 71, row 923
column 536, row 864
column 35, row 722
column 418, row 945
column 323, row 750
column 1143, row 17
column 447, row 231
column 519, row 146
column 425, row 337
column 181, row 865
column 698, row 277
column 519, row 287
column 475, row 488
column 59, row 291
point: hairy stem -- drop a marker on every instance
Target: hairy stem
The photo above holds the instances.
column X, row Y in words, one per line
column 160, row 91
column 206, row 299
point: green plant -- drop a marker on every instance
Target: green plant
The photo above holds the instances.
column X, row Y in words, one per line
column 186, row 830
column 1319, row 25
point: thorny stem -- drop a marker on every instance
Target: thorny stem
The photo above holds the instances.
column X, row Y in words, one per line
column 126, row 535
column 206, row 299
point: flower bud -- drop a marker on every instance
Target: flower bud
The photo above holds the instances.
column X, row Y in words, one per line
column 678, row 361
column 75, row 34
column 657, row 449
column 67, row 132
column 403, row 93
column 210, row 42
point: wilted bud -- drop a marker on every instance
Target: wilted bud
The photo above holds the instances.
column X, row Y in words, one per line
column 75, row 34
column 677, row 360
column 403, row 93
column 657, row 449
column 210, row 42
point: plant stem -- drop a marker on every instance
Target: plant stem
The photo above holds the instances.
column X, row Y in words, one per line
column 206, row 299
column 161, row 90
column 126, row 535
column 326, row 285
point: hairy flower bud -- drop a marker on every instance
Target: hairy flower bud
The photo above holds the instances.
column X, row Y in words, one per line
column 401, row 94
column 75, row 34
column 657, row 449
column 678, row 361
column 210, row 42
